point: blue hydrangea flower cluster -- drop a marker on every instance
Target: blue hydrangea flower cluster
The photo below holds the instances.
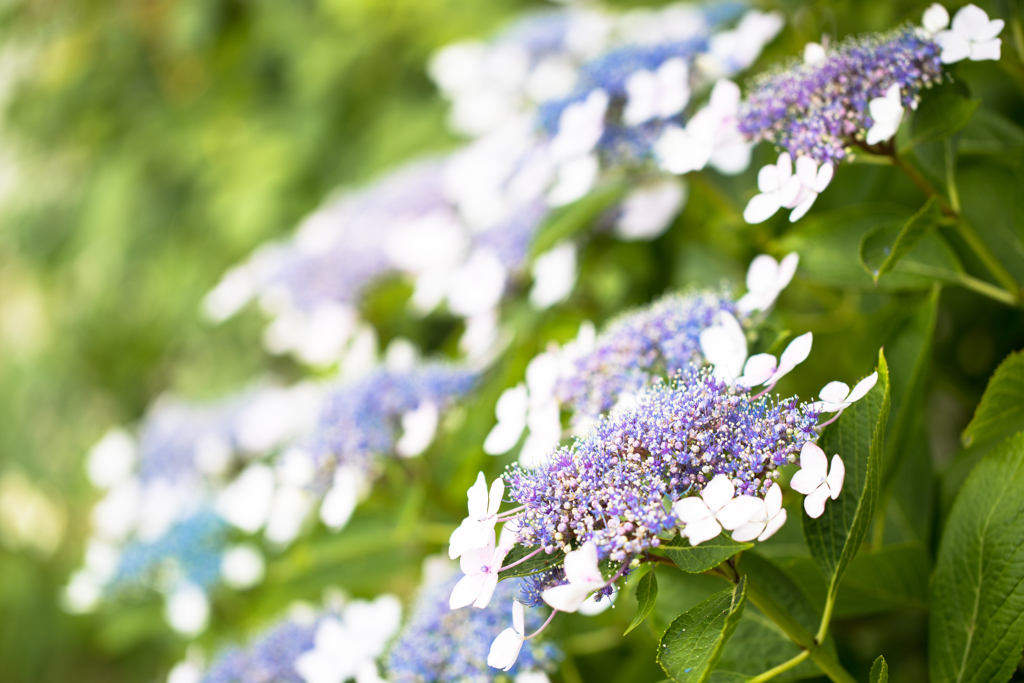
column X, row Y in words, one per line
column 360, row 420
column 191, row 550
column 441, row 644
column 657, row 340
column 270, row 659
column 612, row 486
column 820, row 110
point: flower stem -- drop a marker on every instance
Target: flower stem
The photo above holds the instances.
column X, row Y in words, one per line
column 542, row 626
column 826, row 617
column 954, row 195
column 781, row 668
column 521, row 560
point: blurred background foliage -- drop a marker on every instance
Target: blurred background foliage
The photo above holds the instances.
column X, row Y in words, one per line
column 148, row 145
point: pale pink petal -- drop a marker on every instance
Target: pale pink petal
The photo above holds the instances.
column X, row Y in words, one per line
column 825, row 174
column 466, row 591
column 790, row 193
column 477, row 495
column 955, row 48
column 834, row 392
column 494, row 498
column 762, row 273
column 567, row 598
column 487, row 590
column 785, row 164
column 702, row 530
column 972, row 23
column 801, row 209
column 759, row 369
column 814, row 503
column 505, row 649
column 836, row 476
column 814, row 460
column 787, row 268
column 581, row 565
column 987, row 50
column 748, row 532
column 724, row 346
column 519, row 617
column 774, row 524
column 806, row 170
column 690, row 510
column 473, row 561
column 769, row 179
column 739, row 511
column 795, row 353
column 761, row 207
column 718, row 492
column 773, row 500
column 862, row 388
column 804, row 482
column 463, row 538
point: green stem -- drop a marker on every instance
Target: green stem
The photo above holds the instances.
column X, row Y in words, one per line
column 954, row 196
column 781, row 668
column 963, row 280
column 826, row 615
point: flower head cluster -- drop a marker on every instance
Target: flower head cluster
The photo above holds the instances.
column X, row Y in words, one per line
column 820, row 109
column 270, row 658
column 611, row 486
column 440, row 644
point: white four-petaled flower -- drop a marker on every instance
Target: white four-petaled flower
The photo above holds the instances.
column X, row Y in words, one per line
column 768, row 519
column 935, row 19
column 584, row 577
column 766, row 278
column 716, row 508
column 837, row 396
column 480, row 566
column 813, row 181
column 658, row 94
column 816, row 481
column 972, row 36
column 505, row 648
column 887, row 114
column 779, row 188
column 478, row 528
column 725, row 347
column 764, row 369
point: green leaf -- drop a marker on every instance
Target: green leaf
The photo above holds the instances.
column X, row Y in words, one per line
column 828, row 244
column 707, row 555
column 693, row 643
column 538, row 563
column 779, row 586
column 757, row 646
column 942, row 116
column 858, row 437
column 568, row 220
column 882, row 248
column 646, row 597
column 879, row 671
column 976, row 623
column 987, row 196
column 1002, row 406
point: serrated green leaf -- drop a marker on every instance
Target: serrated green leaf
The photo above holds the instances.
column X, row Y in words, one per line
column 1001, row 409
column 568, row 220
column 976, row 622
column 538, row 563
column 828, row 244
column 882, row 248
column 858, row 437
column 693, row 643
column 707, row 555
column 879, row 671
column 646, row 597
column 942, row 116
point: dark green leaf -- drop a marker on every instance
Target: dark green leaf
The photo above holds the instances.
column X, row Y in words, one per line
column 879, row 671
column 987, row 195
column 757, row 646
column 857, row 436
column 942, row 116
column 882, row 248
column 535, row 564
column 707, row 555
column 989, row 132
column 828, row 244
column 778, row 585
column 976, row 623
column 646, row 597
column 693, row 643
column 576, row 217
column 1002, row 406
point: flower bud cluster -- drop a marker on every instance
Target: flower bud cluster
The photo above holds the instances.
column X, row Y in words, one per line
column 820, row 109
column 614, row 486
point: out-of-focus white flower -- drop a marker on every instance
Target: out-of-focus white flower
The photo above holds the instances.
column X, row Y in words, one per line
column 769, row 518
column 111, row 460
column 815, row 481
column 346, row 647
column 418, row 429
column 361, row 355
column 766, row 278
column 733, row 51
column 648, row 210
column 117, row 514
column 657, row 95
column 584, row 577
column 278, row 415
column 575, row 179
column 289, row 510
column 245, row 502
column 580, row 127
column 235, row 290
column 511, row 411
column 478, row 527
column 324, row 332
column 554, row 275
column 242, row 566
column 187, row 610
column 887, row 113
column 82, row 593
column 813, row 182
column 935, row 18
column 477, row 285
column 212, row 454
column 401, row 355
column 972, row 36
column 814, row 54
column 779, row 188
column 185, row 672
column 341, row 499
column 725, row 347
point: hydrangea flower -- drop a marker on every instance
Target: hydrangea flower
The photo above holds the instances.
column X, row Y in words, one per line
column 972, row 35
column 816, row 481
column 440, row 644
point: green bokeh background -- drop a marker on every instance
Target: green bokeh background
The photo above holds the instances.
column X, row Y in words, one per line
column 146, row 146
